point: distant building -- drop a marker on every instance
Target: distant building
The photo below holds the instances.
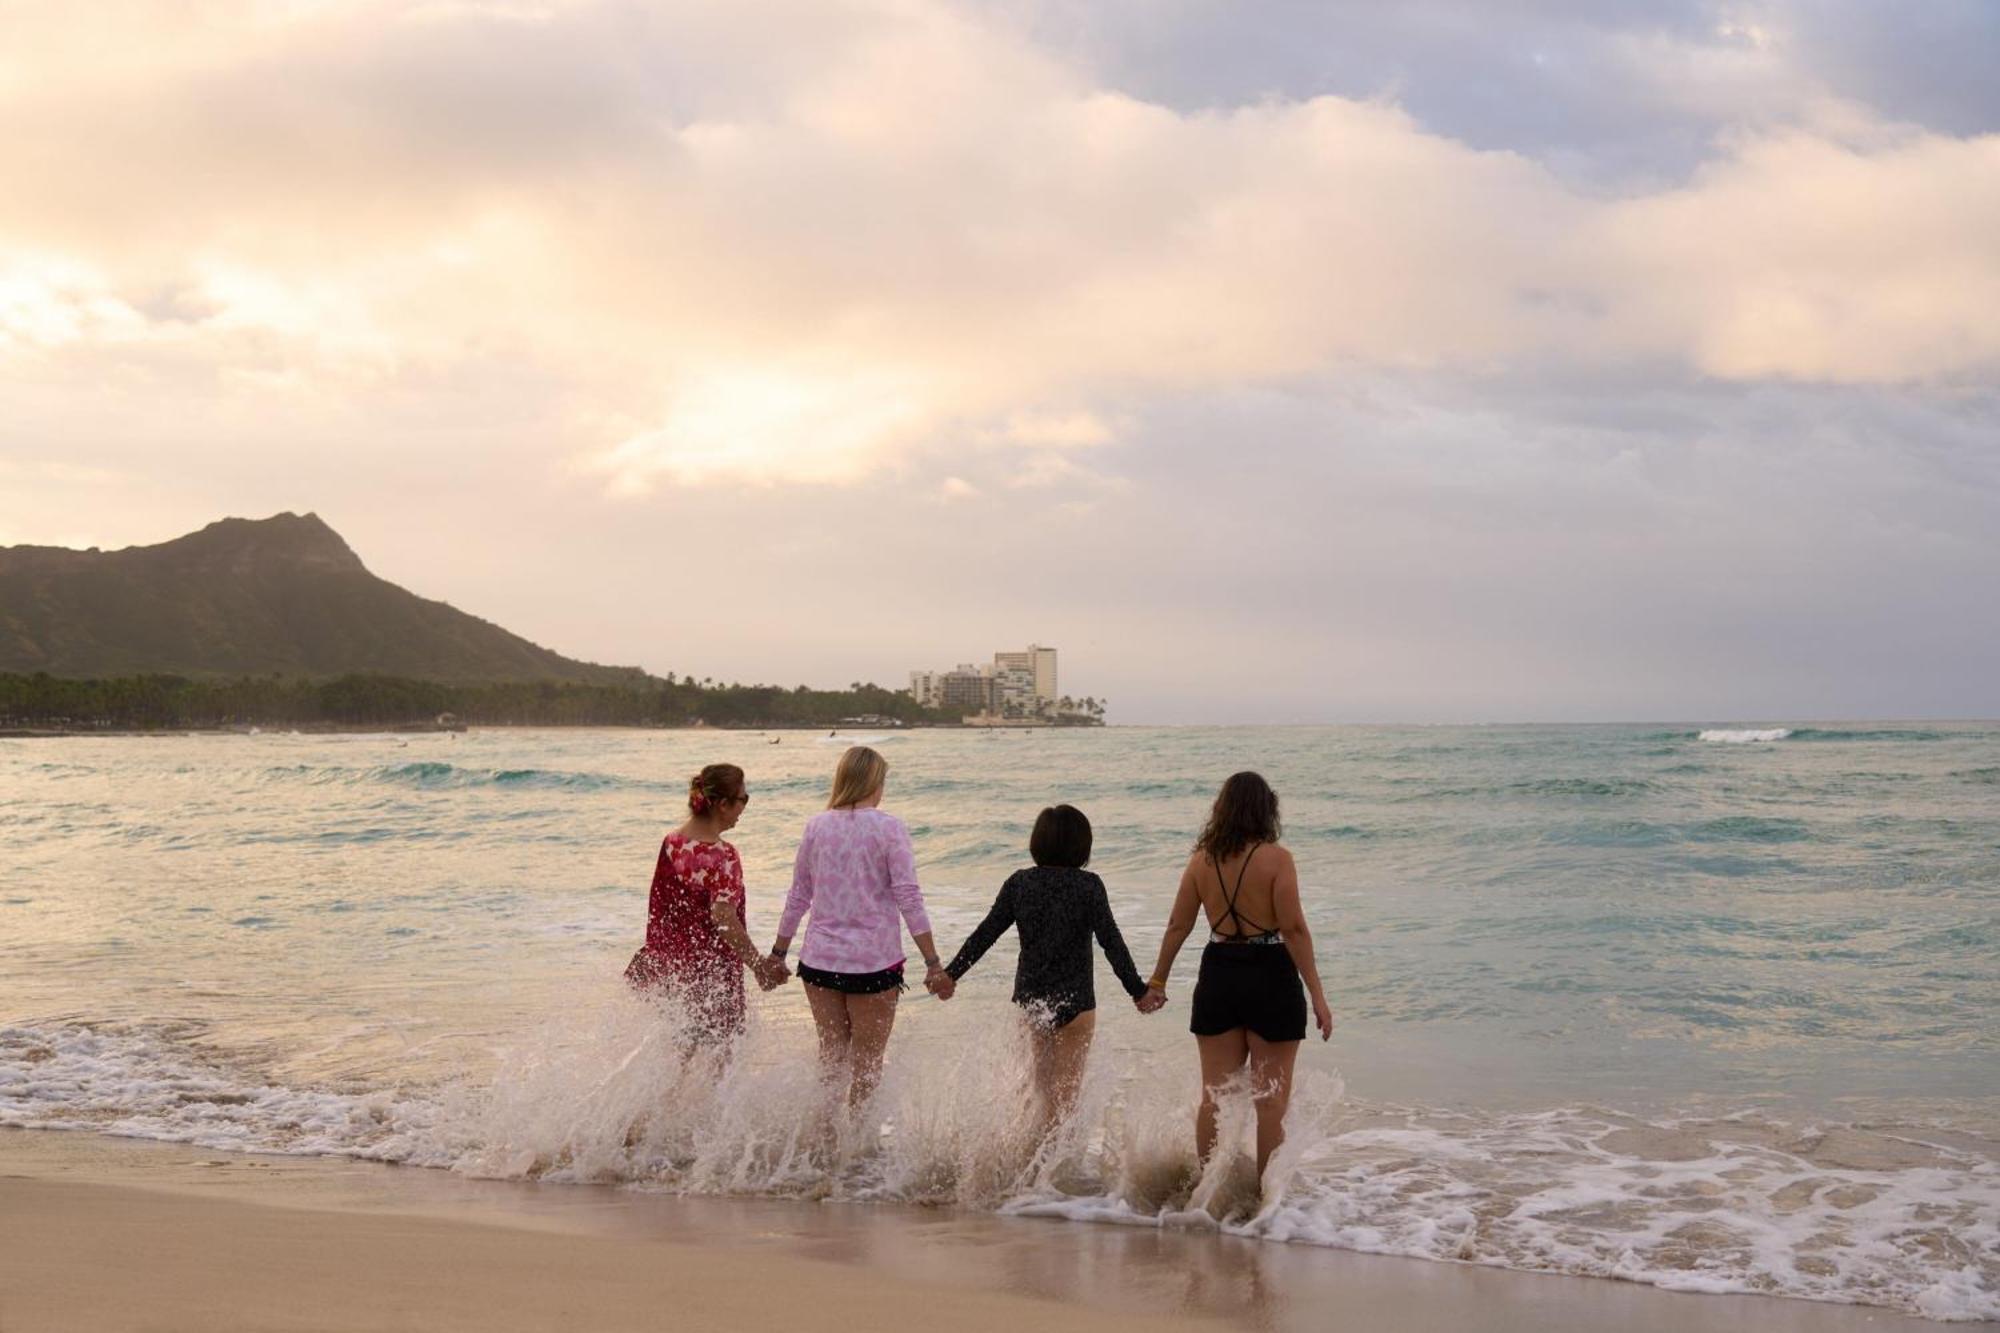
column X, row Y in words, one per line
column 1018, row 686
column 1039, row 663
column 965, row 690
column 1045, row 674
column 1014, row 692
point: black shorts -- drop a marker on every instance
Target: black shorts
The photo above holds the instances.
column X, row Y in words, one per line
column 854, row 983
column 1052, row 1013
column 1252, row 986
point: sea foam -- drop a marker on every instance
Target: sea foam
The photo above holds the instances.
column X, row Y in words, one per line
column 1744, row 737
column 1906, row 1217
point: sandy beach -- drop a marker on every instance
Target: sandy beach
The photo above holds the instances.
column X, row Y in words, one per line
column 106, row 1234
column 969, row 665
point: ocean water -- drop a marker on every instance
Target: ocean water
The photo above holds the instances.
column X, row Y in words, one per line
column 1712, row 1008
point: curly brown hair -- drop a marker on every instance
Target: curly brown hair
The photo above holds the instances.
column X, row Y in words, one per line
column 717, row 782
column 1245, row 813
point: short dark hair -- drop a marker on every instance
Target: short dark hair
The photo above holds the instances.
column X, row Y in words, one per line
column 1061, row 838
column 1245, row 813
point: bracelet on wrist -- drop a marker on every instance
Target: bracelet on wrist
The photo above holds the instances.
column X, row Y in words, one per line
column 1158, row 984
column 933, row 965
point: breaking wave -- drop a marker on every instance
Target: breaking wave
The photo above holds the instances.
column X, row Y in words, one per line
column 440, row 775
column 1754, row 735
column 1901, row 1216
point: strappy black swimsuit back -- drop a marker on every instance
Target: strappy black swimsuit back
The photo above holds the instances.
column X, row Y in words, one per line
column 1247, row 978
column 1241, row 928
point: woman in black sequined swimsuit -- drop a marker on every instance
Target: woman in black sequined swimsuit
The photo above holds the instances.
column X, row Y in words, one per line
column 1057, row 906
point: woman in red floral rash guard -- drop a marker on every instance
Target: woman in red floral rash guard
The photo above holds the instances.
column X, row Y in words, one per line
column 696, row 946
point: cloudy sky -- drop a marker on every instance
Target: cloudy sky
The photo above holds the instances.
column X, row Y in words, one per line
column 1277, row 361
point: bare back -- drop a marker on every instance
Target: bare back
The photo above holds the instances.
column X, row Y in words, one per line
column 1248, row 881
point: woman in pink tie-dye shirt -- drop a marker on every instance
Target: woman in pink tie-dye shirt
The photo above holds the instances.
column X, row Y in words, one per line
column 856, row 876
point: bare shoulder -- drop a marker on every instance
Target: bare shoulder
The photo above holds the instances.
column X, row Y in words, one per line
column 1277, row 859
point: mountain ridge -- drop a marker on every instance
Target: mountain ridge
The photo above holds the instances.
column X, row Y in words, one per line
column 284, row 594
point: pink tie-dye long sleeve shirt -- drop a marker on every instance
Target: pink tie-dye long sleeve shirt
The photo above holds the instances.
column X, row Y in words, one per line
column 856, row 874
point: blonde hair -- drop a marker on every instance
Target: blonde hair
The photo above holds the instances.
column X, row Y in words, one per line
column 859, row 775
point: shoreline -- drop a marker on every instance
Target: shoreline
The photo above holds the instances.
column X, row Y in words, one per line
column 286, row 729
column 114, row 1234
column 411, row 729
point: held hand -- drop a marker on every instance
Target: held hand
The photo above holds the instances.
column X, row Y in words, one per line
column 1322, row 1018
column 771, row 973
column 1152, row 1001
column 939, row 983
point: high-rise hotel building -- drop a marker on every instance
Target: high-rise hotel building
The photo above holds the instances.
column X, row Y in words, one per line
column 1039, row 663
column 1016, row 685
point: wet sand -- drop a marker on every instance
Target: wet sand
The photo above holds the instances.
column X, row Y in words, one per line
column 107, row 1234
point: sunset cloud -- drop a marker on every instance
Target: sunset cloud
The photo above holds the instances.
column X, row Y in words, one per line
column 1426, row 319
column 895, row 224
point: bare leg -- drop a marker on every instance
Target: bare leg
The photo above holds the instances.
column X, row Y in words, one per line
column 829, row 1011
column 869, row 1019
column 1271, row 1087
column 1221, row 1057
column 1060, row 1054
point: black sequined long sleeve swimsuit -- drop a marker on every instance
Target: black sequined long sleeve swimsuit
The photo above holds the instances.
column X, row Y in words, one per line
column 1056, row 910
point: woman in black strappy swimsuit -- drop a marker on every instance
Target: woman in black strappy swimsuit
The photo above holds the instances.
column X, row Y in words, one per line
column 1249, row 1005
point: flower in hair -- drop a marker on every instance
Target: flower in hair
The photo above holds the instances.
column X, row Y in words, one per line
column 698, row 801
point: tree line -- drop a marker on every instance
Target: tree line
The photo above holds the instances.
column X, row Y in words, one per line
column 163, row 702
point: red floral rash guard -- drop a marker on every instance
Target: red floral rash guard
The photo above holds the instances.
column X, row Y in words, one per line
column 684, row 953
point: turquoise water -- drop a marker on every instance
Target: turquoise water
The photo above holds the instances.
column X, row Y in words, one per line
column 1712, row 1008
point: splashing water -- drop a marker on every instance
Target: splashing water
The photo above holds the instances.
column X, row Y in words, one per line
column 1599, row 946
column 612, row 1092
